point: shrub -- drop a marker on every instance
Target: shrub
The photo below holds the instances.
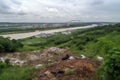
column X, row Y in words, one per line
column 103, row 46
column 110, row 70
column 7, row 45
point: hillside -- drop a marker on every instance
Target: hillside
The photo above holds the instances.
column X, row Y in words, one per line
column 90, row 42
column 87, row 54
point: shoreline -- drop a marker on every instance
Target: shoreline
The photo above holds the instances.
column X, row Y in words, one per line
column 30, row 34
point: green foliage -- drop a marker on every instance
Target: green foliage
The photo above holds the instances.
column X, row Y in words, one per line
column 110, row 70
column 17, row 73
column 1, row 48
column 103, row 46
column 7, row 45
column 4, row 65
column 9, row 72
column 61, row 39
column 90, row 42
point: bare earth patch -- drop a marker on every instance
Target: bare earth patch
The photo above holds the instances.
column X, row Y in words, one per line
column 56, row 64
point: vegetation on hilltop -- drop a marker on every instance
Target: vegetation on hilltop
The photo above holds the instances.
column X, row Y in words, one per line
column 7, row 45
column 91, row 42
column 110, row 69
column 99, row 41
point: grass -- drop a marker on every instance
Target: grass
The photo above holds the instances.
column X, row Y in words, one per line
column 90, row 42
column 17, row 73
column 28, row 48
column 9, row 72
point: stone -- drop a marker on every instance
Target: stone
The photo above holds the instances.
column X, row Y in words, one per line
column 83, row 57
column 39, row 65
column 71, row 58
column 99, row 58
column 66, row 57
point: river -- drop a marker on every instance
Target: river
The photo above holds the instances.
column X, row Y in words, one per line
column 30, row 34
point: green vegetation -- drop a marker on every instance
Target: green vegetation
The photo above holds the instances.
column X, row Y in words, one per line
column 9, row 72
column 14, row 30
column 90, row 42
column 103, row 41
column 110, row 70
column 7, row 45
column 100, row 41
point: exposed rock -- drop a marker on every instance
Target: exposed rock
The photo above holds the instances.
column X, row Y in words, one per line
column 99, row 58
column 39, row 65
column 66, row 57
column 32, row 57
column 83, row 57
column 18, row 62
column 2, row 59
column 81, row 68
column 42, row 75
column 49, row 74
column 54, row 49
column 57, row 73
column 49, row 60
column 13, row 61
column 71, row 58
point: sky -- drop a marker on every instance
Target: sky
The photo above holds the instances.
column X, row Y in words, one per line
column 59, row 10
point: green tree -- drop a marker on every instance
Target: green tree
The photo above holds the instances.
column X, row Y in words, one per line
column 7, row 45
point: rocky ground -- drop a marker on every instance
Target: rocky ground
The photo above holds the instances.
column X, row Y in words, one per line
column 55, row 64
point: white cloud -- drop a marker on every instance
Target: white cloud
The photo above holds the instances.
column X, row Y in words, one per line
column 58, row 10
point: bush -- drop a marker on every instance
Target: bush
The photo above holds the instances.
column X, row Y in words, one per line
column 110, row 70
column 7, row 45
column 103, row 46
column 1, row 48
column 4, row 65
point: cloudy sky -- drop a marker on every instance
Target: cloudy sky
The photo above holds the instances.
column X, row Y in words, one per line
column 59, row 10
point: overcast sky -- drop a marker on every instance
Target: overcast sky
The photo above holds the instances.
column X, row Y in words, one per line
column 59, row 10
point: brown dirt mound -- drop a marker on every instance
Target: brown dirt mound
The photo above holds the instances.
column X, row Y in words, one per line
column 53, row 64
column 79, row 69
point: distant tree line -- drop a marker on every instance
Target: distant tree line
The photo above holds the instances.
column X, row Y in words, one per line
column 7, row 45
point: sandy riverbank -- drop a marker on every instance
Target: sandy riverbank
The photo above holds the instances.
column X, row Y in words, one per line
column 30, row 34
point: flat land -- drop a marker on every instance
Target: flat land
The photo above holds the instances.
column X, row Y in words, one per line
column 30, row 34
